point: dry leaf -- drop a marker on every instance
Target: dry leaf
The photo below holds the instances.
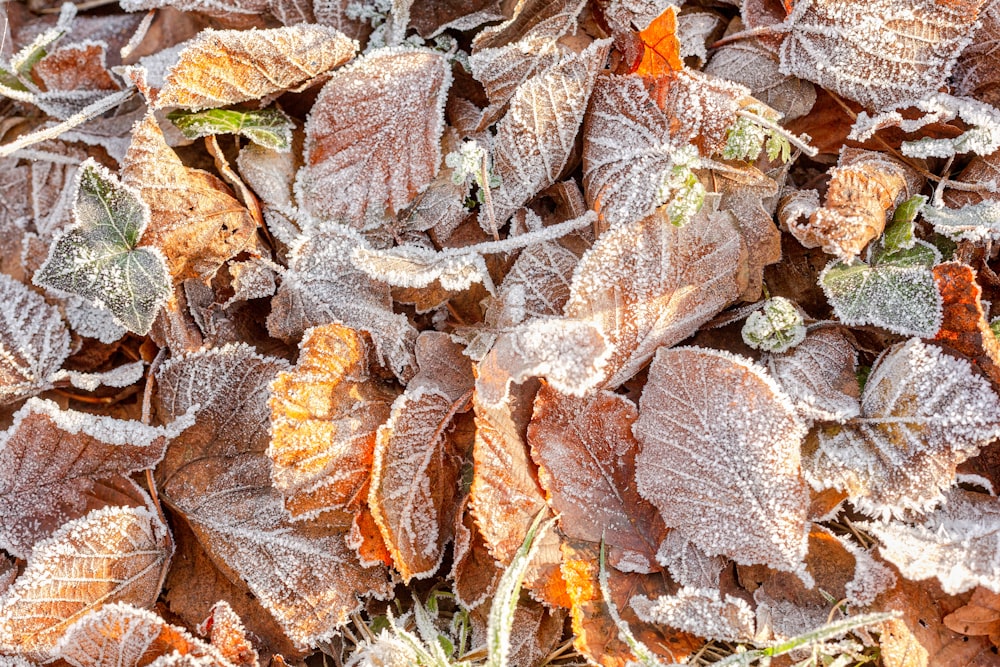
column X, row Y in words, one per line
column 752, row 64
column 324, row 416
column 720, row 457
column 964, row 327
column 976, row 72
column 221, row 67
column 113, row 554
column 819, row 376
column 661, row 48
column 980, row 617
column 226, row 631
column 78, row 66
column 649, row 284
column 474, row 573
column 923, row 413
column 33, row 341
column 688, row 565
column 373, row 136
column 700, row 611
column 194, row 220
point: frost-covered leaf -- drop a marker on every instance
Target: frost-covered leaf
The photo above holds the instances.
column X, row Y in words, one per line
column 193, row 219
column 661, row 48
column 819, row 376
column 536, row 136
column 964, row 326
column 978, row 222
column 56, row 465
column 323, row 286
column 650, row 283
column 79, row 66
column 113, row 554
column 324, row 416
column 221, row 67
column 88, row 319
column 703, row 612
column 877, row 52
column 977, row 72
column 720, row 457
column 217, row 475
column 98, row 257
column 585, row 453
column 688, row 565
column 269, row 128
column 33, row 341
column 227, row 633
column 776, row 327
column 958, row 543
column 923, row 412
column 896, row 291
column 373, row 136
column 755, row 66
column 418, row 455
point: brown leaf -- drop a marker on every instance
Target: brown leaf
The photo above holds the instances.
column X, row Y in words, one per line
column 324, row 416
column 819, row 376
column 963, row 323
column 977, row 71
column 221, row 67
column 431, row 18
column 113, row 554
column 225, row 630
column 980, row 617
column 722, row 465
column 194, row 220
column 983, row 170
column 650, row 284
column 754, row 65
column 75, row 67
column 586, row 452
column 474, row 572
column 34, row 341
column 373, row 136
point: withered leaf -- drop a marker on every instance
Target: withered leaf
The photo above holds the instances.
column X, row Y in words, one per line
column 113, row 554
column 56, row 465
column 660, row 46
column 78, row 66
column 964, row 327
column 193, row 219
column 977, row 69
column 373, row 138
column 33, row 341
column 324, row 416
column 585, row 453
column 701, row 611
column 649, row 283
column 923, row 413
column 720, row 457
column 755, row 66
column 980, row 617
column 226, row 631
column 221, row 67
column 819, row 376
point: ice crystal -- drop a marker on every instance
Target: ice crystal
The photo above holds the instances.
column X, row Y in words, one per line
column 33, row 341
column 819, row 376
column 700, row 611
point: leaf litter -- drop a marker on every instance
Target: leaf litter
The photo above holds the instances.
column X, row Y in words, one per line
column 355, row 318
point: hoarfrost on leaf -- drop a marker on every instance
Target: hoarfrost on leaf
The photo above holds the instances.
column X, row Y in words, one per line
column 776, row 327
column 33, row 341
column 689, row 565
column 720, row 457
column 700, row 611
column 93, row 321
column 269, row 128
column 98, row 257
column 977, row 223
column 922, row 413
column 819, row 376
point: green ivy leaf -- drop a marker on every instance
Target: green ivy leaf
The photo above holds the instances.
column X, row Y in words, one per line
column 98, row 258
column 269, row 128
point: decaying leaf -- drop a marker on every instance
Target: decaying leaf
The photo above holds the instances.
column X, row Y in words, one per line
column 226, row 631
column 964, row 327
column 223, row 67
column 113, row 554
column 922, row 413
column 980, row 617
column 976, row 72
column 720, row 457
column 754, row 65
column 373, row 136
column 703, row 612
column 819, row 376
column 324, row 416
column 33, row 341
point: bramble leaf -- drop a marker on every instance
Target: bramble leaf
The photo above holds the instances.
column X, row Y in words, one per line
column 269, row 128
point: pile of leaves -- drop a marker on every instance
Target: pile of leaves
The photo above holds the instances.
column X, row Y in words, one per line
column 472, row 332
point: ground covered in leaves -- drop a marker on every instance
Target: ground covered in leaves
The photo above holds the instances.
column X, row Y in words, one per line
column 481, row 332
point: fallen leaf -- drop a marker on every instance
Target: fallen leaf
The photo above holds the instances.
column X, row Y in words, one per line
column 76, row 67
column 227, row 634
column 754, row 65
column 964, row 327
column 34, row 341
column 976, row 70
column 703, row 612
column 661, row 49
column 819, row 375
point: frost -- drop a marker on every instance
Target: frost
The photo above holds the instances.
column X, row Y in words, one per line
column 373, row 136
column 92, row 321
column 33, row 341
column 688, row 565
column 221, row 67
column 467, row 163
column 776, row 327
column 753, row 65
column 923, row 413
column 122, row 376
column 323, row 286
column 252, row 279
column 819, row 376
column 977, row 223
column 720, row 458
column 269, row 173
column 269, row 128
column 871, row 577
column 959, row 543
column 98, row 257
column 700, row 611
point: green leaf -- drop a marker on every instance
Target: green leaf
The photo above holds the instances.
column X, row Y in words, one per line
column 776, row 327
column 896, row 292
column 899, row 235
column 270, row 128
column 98, row 258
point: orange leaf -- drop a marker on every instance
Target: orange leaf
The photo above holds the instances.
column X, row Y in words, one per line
column 963, row 323
column 661, row 53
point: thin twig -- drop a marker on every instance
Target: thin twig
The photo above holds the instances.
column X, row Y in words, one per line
column 147, row 403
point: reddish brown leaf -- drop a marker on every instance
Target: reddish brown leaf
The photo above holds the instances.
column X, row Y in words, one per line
column 661, row 50
column 963, row 323
column 75, row 67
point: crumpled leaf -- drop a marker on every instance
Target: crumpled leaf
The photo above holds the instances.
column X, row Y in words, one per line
column 649, row 284
column 720, row 457
column 269, row 128
column 754, row 65
column 585, row 453
column 700, row 611
column 322, row 286
column 373, row 136
column 980, row 617
column 877, row 52
column 923, row 413
column 957, row 543
column 819, row 376
column 220, row 67
column 33, row 341
column 98, row 257
column 193, row 219
column 56, row 465
column 324, row 416
column 113, row 554
column 226, row 632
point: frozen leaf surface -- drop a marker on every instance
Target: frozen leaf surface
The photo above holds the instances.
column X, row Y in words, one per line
column 98, row 257
column 650, row 283
column 755, row 66
column 221, row 67
column 689, row 565
column 114, row 554
column 720, row 457
column 776, row 327
column 703, row 612
column 324, row 416
column 227, row 633
column 269, row 128
column 373, row 136
column 964, row 326
column 922, row 413
column 819, row 376
column 33, row 341
column 977, row 72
